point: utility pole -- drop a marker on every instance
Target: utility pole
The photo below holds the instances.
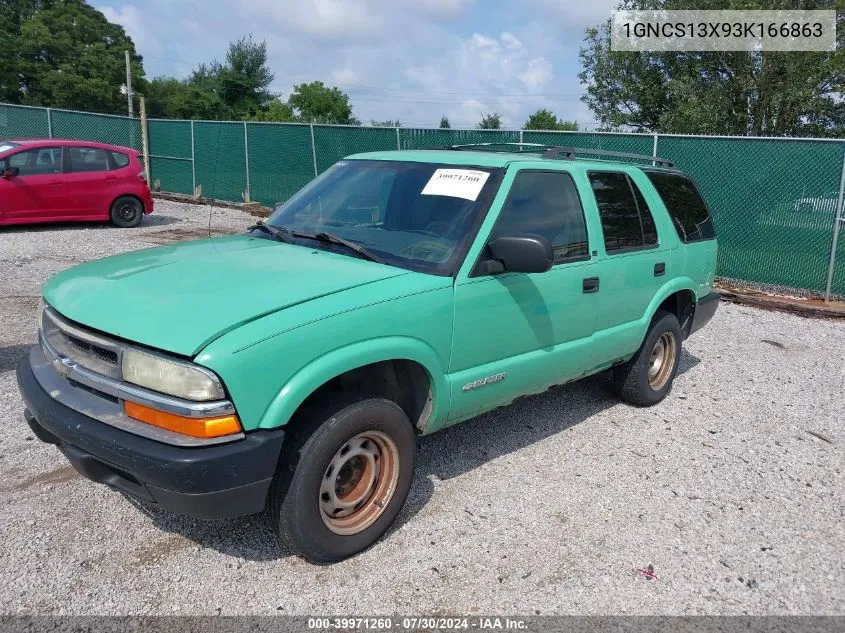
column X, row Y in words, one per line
column 145, row 143
column 128, row 83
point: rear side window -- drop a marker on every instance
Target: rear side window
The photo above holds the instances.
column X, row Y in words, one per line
column 686, row 207
column 84, row 159
column 626, row 220
column 547, row 204
column 120, row 159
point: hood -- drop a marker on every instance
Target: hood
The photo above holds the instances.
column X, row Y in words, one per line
column 180, row 298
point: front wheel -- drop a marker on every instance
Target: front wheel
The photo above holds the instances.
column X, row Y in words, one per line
column 343, row 477
column 126, row 212
column 647, row 377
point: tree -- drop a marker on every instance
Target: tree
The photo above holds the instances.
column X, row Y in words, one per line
column 243, row 82
column 12, row 14
column 64, row 53
column 165, row 96
column 444, row 123
column 236, row 89
column 490, row 122
column 546, row 120
column 277, row 111
column 316, row 103
column 743, row 93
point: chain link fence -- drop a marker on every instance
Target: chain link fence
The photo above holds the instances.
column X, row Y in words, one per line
column 775, row 201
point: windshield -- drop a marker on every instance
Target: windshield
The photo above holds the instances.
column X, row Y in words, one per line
column 420, row 216
column 5, row 146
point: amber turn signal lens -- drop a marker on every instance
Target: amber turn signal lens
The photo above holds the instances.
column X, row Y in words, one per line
column 195, row 427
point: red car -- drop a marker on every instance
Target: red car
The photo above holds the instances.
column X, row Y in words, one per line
column 51, row 180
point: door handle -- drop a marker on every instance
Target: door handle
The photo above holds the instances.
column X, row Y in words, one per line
column 591, row 284
column 108, row 178
column 660, row 269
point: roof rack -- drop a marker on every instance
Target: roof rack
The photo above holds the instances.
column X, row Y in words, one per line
column 553, row 151
column 571, row 153
column 491, row 147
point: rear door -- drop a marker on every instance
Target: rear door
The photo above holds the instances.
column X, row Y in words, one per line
column 633, row 263
column 90, row 181
column 36, row 192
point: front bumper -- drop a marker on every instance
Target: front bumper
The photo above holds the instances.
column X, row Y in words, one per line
column 705, row 308
column 210, row 482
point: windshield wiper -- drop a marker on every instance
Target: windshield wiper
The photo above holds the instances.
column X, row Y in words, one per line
column 331, row 238
column 281, row 234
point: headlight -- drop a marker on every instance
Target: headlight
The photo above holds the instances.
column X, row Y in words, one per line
column 172, row 377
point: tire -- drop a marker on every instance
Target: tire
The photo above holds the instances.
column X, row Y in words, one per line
column 126, row 212
column 647, row 378
column 315, row 476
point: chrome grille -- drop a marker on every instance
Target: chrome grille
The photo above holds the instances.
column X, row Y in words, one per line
column 86, row 348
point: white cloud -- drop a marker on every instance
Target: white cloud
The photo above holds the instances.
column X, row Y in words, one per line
column 409, row 59
column 510, row 40
column 538, row 73
column 336, row 20
column 438, row 8
column 570, row 15
column 344, row 76
column 132, row 20
column 482, row 41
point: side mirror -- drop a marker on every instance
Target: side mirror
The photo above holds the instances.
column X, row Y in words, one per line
column 519, row 254
column 10, row 172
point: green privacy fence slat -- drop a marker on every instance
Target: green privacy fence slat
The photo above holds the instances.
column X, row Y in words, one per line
column 333, row 143
column 773, row 200
column 173, row 176
column 220, row 159
column 280, row 161
column 415, row 138
column 22, row 122
column 170, row 138
column 171, row 167
column 96, row 127
column 773, row 203
column 635, row 144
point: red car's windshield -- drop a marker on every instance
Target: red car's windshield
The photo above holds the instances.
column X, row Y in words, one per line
column 6, row 146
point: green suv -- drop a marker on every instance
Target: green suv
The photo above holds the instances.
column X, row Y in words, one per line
column 290, row 369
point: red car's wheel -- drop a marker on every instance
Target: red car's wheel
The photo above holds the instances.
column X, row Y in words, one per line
column 126, row 212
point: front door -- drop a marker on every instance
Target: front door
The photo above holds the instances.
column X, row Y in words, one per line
column 37, row 191
column 517, row 333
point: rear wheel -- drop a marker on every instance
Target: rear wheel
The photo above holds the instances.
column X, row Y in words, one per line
column 126, row 212
column 343, row 477
column 647, row 377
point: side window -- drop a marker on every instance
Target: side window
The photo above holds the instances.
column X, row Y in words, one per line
column 686, row 207
column 84, row 159
column 120, row 160
column 626, row 220
column 37, row 162
column 547, row 204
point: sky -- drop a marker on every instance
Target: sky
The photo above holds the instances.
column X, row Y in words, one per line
column 411, row 60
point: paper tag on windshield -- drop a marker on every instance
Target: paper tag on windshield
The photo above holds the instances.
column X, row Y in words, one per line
column 456, row 183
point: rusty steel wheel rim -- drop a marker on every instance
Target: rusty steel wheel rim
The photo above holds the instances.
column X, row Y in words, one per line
column 662, row 361
column 359, row 482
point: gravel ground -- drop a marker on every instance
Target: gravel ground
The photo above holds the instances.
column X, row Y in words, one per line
column 544, row 507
